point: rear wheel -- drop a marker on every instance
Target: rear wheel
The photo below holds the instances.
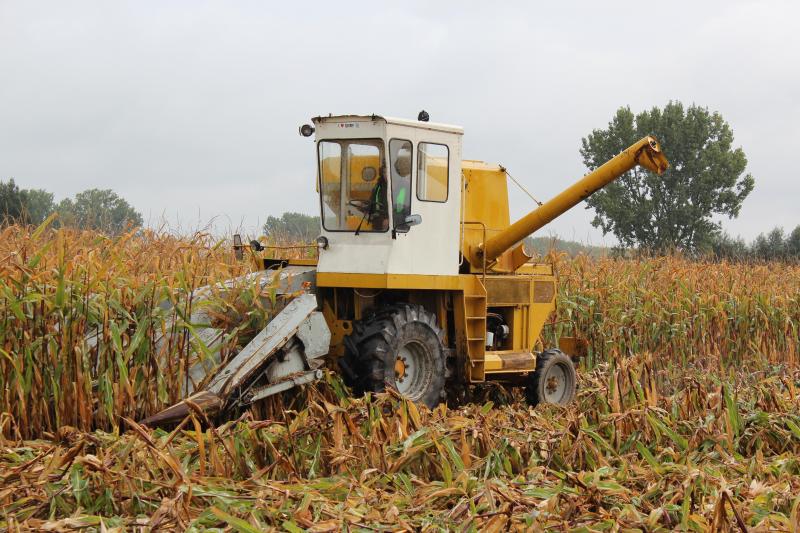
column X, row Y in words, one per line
column 401, row 347
column 554, row 380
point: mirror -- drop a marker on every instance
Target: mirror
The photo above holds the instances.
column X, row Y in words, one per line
column 405, row 225
column 368, row 173
column 413, row 220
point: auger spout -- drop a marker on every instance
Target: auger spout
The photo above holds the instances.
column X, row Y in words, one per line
column 645, row 152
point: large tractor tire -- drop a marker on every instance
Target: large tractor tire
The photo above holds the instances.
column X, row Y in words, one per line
column 554, row 380
column 400, row 346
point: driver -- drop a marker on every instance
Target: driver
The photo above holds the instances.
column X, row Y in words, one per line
column 401, row 185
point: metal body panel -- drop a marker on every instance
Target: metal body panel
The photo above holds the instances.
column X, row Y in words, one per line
column 279, row 330
column 303, row 378
column 510, row 361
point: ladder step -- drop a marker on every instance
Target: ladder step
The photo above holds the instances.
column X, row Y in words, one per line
column 481, row 296
column 476, row 339
column 476, row 318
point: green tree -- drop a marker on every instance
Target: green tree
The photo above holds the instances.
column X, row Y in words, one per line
column 37, row 205
column 295, row 227
column 98, row 209
column 724, row 246
column 10, row 202
column 793, row 243
column 673, row 210
column 771, row 245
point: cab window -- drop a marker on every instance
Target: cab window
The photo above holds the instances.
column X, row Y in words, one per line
column 400, row 164
column 353, row 185
column 432, row 172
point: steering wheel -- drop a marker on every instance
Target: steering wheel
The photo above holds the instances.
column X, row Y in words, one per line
column 361, row 205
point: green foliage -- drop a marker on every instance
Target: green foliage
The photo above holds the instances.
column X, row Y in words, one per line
column 94, row 209
column 706, row 178
column 793, row 242
column 293, row 227
column 11, row 207
column 727, row 247
column 98, row 209
column 38, row 204
column 775, row 245
column 544, row 245
column 769, row 245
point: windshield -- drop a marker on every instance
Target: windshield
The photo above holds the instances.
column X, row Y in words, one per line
column 353, row 185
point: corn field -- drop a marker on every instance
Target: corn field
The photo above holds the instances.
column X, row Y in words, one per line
column 687, row 418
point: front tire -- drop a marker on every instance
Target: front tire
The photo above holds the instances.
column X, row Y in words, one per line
column 554, row 381
column 400, row 347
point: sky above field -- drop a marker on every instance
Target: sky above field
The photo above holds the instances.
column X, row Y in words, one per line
column 190, row 110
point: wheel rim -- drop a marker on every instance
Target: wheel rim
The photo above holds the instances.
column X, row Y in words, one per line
column 412, row 369
column 556, row 384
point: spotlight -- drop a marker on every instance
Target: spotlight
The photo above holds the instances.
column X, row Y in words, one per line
column 306, row 130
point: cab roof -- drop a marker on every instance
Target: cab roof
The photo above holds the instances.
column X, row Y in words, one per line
column 436, row 126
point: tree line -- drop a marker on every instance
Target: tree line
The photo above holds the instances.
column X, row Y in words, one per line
column 677, row 211
column 96, row 209
column 774, row 245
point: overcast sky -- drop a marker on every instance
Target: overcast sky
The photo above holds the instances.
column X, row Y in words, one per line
column 190, row 109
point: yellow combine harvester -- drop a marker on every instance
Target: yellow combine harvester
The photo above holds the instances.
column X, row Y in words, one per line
column 421, row 284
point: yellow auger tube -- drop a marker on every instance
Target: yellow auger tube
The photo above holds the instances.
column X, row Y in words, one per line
column 645, row 152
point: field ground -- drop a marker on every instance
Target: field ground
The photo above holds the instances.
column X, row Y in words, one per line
column 688, row 414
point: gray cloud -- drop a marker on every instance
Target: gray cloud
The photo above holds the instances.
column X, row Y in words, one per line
column 190, row 110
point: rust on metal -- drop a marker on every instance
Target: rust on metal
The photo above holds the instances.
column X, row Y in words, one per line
column 208, row 402
column 543, row 292
column 517, row 360
column 511, row 290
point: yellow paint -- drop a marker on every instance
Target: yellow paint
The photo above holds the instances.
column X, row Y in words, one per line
column 304, row 262
column 339, row 330
column 525, row 319
column 494, row 363
column 485, row 197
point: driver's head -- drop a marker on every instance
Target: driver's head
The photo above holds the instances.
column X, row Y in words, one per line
column 402, row 164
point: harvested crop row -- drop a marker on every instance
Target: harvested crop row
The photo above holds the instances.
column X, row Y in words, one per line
column 710, row 455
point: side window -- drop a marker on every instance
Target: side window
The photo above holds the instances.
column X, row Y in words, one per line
column 400, row 160
column 433, row 161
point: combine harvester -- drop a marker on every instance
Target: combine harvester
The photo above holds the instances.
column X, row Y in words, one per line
column 421, row 284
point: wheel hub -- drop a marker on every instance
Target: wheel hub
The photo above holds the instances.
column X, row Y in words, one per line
column 555, row 385
column 411, row 369
column 399, row 369
column 552, row 385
